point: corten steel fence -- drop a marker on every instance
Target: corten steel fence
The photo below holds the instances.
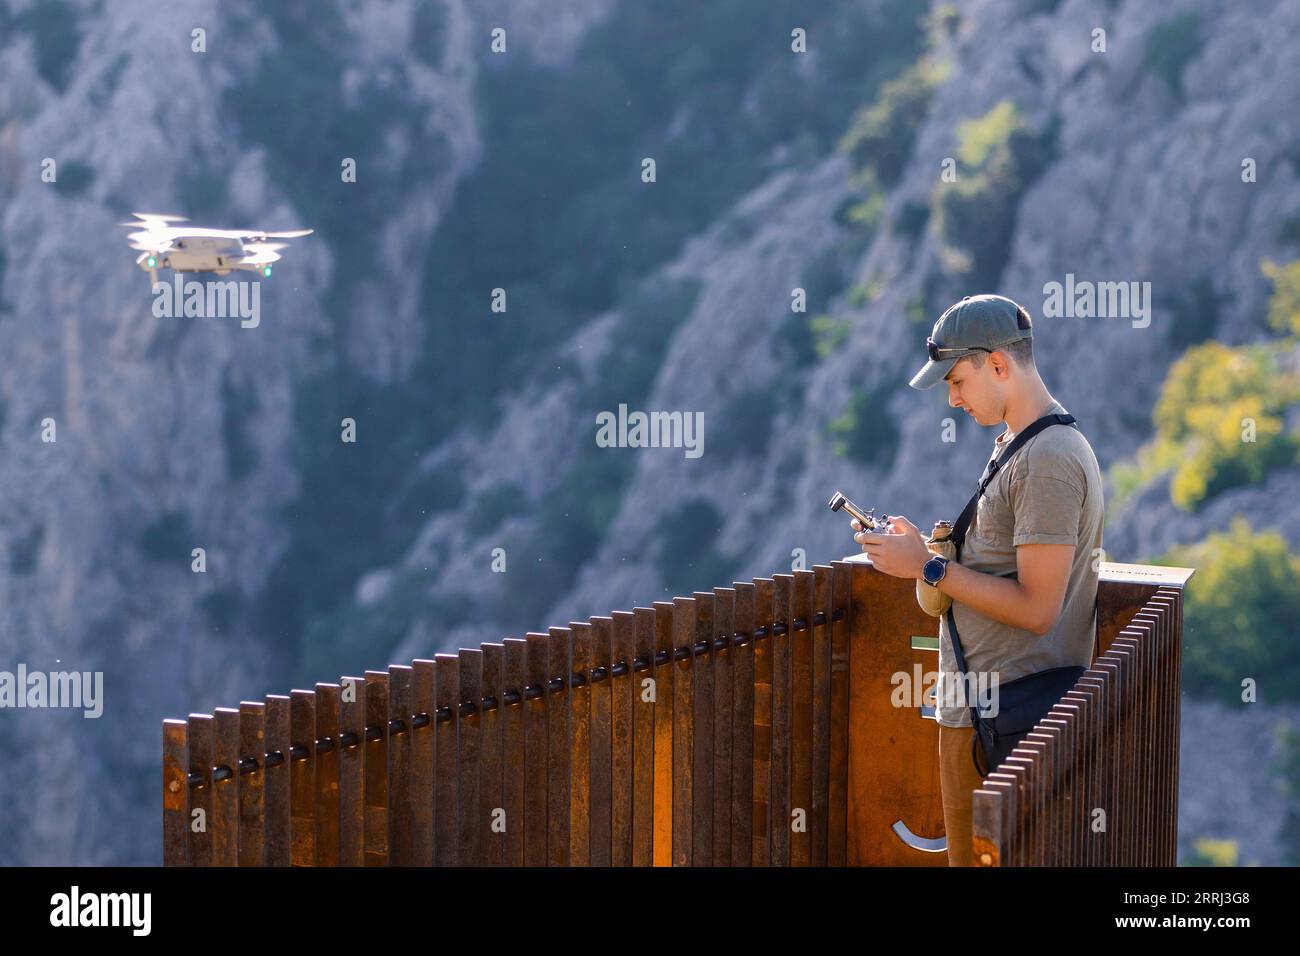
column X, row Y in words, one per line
column 750, row 725
column 1096, row 782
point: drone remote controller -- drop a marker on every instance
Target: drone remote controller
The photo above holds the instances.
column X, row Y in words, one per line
column 865, row 518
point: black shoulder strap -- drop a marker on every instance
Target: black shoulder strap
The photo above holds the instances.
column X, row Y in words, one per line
column 958, row 534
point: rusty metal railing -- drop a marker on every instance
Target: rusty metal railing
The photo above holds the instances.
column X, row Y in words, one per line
column 1096, row 782
column 748, row 725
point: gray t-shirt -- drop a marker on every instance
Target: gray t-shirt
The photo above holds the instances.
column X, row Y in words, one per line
column 1049, row 493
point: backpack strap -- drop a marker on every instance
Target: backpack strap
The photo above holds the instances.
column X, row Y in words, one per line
column 958, row 533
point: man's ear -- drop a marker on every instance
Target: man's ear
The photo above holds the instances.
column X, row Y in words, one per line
column 1001, row 364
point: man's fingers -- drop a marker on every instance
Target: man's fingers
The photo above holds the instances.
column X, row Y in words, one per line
column 903, row 526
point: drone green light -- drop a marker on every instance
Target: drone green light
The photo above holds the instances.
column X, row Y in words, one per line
column 151, row 262
column 266, row 271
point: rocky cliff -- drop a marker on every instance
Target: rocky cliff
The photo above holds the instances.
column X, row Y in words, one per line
column 174, row 435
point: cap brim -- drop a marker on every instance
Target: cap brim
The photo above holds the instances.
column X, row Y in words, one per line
column 932, row 373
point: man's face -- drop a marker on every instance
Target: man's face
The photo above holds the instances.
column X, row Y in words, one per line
column 978, row 391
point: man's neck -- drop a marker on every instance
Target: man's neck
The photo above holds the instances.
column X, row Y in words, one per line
column 1030, row 407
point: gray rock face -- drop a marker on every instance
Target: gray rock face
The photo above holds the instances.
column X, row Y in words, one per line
column 154, row 455
column 1228, row 787
column 1149, row 525
column 1146, row 187
column 138, row 405
column 150, row 413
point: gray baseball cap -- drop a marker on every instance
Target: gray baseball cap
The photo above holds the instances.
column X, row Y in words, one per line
column 976, row 323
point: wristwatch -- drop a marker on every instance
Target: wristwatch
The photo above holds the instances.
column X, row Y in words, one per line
column 934, row 569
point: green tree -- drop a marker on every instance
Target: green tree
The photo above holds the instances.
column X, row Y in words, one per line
column 865, row 431
column 1000, row 155
column 1284, row 304
column 1220, row 418
column 1239, row 614
column 880, row 137
column 1207, row 851
column 1219, row 421
column 1171, row 45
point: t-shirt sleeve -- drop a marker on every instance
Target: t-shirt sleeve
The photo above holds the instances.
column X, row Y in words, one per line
column 1047, row 502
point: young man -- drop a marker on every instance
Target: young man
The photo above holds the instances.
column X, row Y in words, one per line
column 1024, row 592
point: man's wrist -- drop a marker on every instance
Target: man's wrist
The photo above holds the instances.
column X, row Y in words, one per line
column 920, row 568
column 941, row 564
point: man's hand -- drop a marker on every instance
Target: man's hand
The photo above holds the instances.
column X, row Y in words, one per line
column 901, row 552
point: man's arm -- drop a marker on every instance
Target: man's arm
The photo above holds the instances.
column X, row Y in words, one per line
column 1033, row 601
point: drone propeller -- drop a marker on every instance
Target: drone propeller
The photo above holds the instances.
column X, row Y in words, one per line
column 262, row 252
column 291, row 234
column 151, row 218
column 149, row 241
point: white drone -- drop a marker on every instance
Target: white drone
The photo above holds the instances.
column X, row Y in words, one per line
column 191, row 249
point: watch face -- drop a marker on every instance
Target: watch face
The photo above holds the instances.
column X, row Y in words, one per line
column 933, row 570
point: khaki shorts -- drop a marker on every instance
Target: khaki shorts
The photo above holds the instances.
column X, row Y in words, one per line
column 958, row 779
